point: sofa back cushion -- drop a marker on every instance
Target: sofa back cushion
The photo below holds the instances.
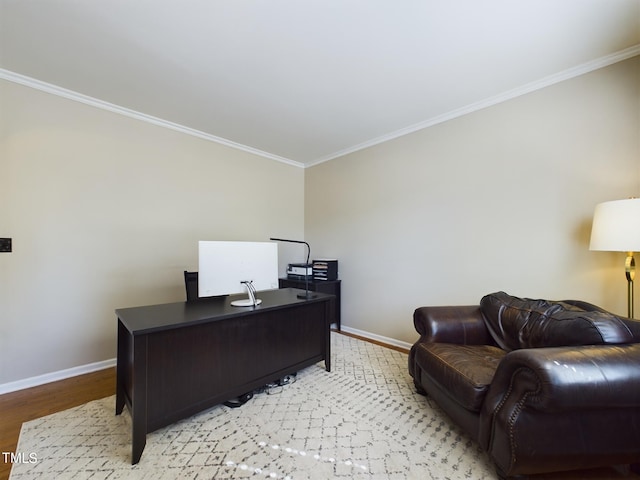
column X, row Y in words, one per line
column 526, row 323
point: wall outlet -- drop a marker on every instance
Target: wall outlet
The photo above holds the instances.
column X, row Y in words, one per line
column 5, row 245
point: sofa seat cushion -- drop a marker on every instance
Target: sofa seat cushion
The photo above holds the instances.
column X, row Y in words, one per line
column 518, row 323
column 464, row 371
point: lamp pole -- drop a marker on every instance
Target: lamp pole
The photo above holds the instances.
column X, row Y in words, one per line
column 307, row 295
column 630, row 273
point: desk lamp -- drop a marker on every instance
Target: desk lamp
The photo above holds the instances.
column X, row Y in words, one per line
column 616, row 228
column 307, row 294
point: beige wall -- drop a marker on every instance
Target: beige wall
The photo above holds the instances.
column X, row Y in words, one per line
column 500, row 199
column 105, row 212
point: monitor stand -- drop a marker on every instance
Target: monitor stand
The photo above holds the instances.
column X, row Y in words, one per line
column 247, row 302
column 252, row 301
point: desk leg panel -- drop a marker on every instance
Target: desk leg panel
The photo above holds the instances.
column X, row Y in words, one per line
column 139, row 397
column 329, row 319
column 121, row 368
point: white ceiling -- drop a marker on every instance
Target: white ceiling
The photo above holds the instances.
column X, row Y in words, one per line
column 305, row 81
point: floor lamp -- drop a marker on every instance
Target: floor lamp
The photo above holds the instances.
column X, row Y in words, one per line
column 616, row 228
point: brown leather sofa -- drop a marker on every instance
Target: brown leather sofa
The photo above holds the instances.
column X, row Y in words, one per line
column 542, row 386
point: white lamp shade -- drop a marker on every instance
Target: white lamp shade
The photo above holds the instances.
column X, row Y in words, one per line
column 616, row 226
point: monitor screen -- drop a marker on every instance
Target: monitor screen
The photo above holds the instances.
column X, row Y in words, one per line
column 223, row 266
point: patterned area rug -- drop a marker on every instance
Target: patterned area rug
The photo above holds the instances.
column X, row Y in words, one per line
column 363, row 420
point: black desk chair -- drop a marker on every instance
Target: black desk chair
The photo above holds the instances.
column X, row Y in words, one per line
column 191, row 285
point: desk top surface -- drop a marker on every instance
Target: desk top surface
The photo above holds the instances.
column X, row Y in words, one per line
column 150, row 318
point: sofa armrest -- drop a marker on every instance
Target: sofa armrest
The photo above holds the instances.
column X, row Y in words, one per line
column 452, row 324
column 569, row 378
column 563, row 408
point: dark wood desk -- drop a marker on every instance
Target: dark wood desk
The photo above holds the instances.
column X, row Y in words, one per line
column 332, row 287
column 177, row 359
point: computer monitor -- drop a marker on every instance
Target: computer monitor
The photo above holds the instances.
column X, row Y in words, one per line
column 226, row 268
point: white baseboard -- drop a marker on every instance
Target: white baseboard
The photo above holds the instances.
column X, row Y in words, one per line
column 55, row 376
column 378, row 338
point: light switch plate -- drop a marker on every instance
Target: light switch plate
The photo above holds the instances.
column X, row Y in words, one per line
column 5, row 245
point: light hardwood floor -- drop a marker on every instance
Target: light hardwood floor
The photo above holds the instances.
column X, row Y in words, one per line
column 29, row 404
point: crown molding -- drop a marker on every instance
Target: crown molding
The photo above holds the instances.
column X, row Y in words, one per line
column 488, row 102
column 97, row 103
column 467, row 109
